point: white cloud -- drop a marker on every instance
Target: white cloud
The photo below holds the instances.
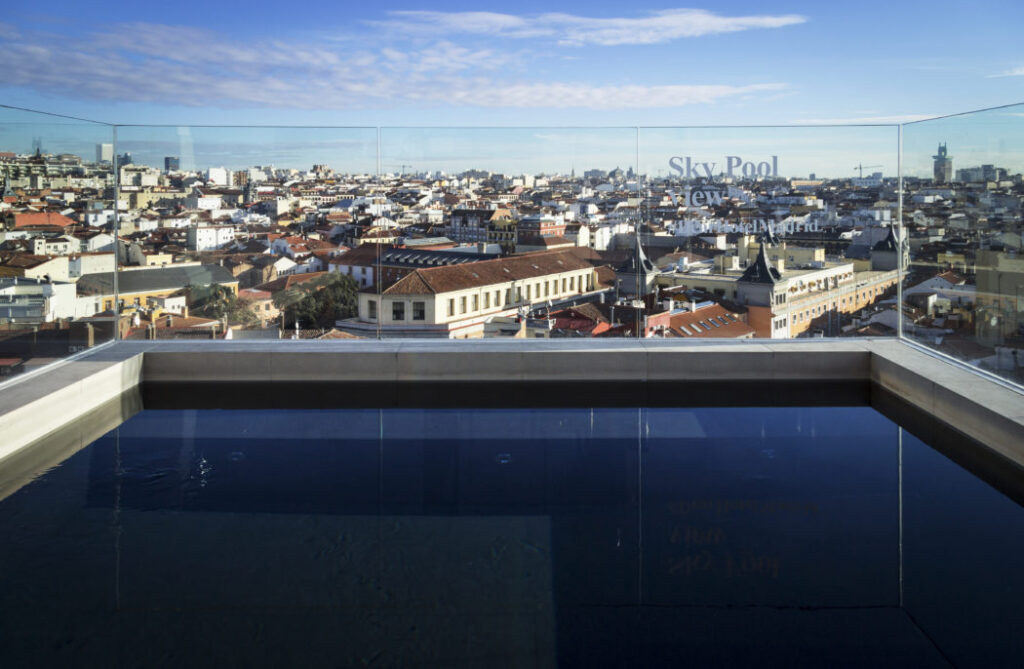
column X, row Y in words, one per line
column 866, row 120
column 572, row 30
column 614, row 97
column 190, row 66
column 481, row 23
column 1013, row 72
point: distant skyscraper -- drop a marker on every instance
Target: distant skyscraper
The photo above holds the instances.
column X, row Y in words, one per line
column 172, row 164
column 124, row 159
column 943, row 166
column 37, row 145
column 104, row 153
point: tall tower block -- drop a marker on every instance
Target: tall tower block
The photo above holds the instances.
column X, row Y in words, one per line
column 943, row 166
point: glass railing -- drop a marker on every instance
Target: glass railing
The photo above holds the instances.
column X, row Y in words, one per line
column 963, row 293
column 57, row 223
column 683, row 233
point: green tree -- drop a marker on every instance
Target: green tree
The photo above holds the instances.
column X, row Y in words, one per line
column 320, row 302
column 217, row 301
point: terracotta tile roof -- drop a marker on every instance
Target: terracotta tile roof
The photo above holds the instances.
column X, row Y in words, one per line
column 447, row 278
column 585, row 319
column 363, row 255
column 253, row 294
column 42, row 218
column 952, row 277
column 320, row 245
column 585, row 310
column 709, row 322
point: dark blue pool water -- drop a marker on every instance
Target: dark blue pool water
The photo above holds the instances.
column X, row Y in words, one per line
column 724, row 537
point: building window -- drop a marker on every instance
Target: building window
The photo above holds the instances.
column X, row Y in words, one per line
column 528, row 292
column 373, row 308
column 563, row 284
column 451, row 306
column 398, row 311
column 419, row 311
column 462, row 304
column 547, row 289
column 476, row 303
column 572, row 283
column 487, row 300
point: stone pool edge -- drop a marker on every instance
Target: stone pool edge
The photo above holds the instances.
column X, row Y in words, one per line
column 973, row 404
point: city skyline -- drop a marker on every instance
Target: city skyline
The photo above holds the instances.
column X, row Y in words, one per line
column 835, row 152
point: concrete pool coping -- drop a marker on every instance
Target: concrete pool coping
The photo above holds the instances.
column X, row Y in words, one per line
column 61, row 397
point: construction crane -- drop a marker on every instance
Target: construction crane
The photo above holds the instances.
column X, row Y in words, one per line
column 864, row 167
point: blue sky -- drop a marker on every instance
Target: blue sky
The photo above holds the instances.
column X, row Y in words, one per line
column 522, row 64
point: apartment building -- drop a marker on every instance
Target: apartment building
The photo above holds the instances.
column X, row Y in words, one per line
column 454, row 301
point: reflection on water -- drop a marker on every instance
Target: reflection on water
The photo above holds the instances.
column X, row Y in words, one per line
column 522, row 537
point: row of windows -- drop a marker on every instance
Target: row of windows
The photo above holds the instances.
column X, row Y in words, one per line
column 850, row 301
column 533, row 291
column 489, row 299
column 419, row 310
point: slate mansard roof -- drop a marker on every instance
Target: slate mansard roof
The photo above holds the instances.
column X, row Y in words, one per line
column 154, row 280
column 761, row 271
column 889, row 243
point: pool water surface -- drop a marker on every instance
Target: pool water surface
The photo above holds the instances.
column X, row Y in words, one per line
column 641, row 537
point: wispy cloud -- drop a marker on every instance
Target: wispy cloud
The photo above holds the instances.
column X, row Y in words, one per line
column 605, row 97
column 1013, row 72
column 572, row 30
column 866, row 120
column 155, row 63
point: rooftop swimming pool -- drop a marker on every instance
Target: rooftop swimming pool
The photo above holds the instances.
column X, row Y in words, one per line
column 522, row 537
